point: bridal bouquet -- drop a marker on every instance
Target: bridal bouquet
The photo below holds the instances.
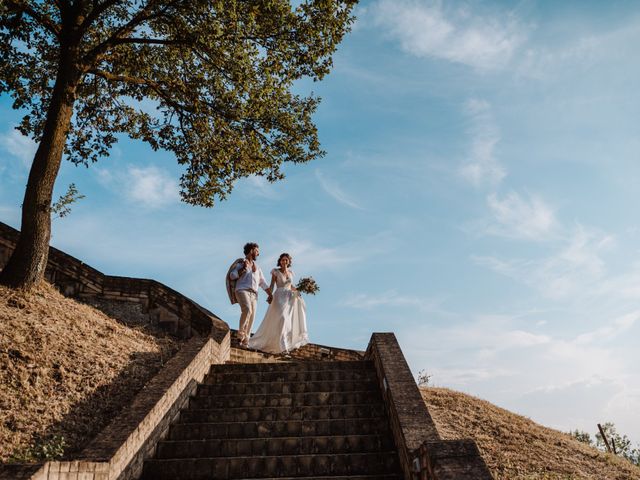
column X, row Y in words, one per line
column 307, row 285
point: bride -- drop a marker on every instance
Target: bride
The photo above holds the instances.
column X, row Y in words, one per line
column 284, row 326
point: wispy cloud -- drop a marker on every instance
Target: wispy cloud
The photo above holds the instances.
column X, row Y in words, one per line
column 310, row 256
column 430, row 29
column 508, row 359
column 579, row 53
column 260, row 187
column 149, row 186
column 334, row 190
column 573, row 269
column 610, row 330
column 152, row 186
column 18, row 146
column 482, row 167
column 522, row 218
column 393, row 299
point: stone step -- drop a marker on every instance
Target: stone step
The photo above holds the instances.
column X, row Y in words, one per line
column 270, row 414
column 263, row 388
column 310, row 466
column 343, row 375
column 293, row 366
column 282, row 399
column 274, row 446
column 291, row 428
column 238, row 355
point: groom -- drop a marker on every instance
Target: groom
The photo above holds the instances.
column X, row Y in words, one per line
column 248, row 277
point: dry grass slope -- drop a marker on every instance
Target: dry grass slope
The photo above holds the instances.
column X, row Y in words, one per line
column 66, row 369
column 517, row 448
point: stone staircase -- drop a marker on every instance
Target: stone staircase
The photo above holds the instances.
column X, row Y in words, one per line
column 320, row 419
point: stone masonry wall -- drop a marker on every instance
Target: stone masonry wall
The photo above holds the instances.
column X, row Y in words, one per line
column 423, row 454
column 410, row 420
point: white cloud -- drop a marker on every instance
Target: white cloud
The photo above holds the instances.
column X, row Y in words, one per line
column 482, row 167
column 625, row 286
column 260, row 187
column 393, row 299
column 335, row 191
column 524, row 218
column 150, row 186
column 565, row 380
column 577, row 404
column 574, row 269
column 310, row 257
column 18, row 146
column 579, row 53
column 456, row 35
column 610, row 330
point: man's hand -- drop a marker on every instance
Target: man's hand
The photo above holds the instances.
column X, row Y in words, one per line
column 270, row 299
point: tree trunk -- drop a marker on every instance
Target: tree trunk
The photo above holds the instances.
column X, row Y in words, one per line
column 27, row 264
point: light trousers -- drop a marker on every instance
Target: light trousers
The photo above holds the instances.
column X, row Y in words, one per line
column 248, row 301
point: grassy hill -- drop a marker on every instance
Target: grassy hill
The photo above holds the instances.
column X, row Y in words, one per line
column 66, row 369
column 517, row 448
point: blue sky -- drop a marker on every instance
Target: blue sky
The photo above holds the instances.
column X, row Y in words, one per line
column 479, row 198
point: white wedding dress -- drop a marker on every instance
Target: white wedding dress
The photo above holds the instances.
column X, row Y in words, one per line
column 284, row 327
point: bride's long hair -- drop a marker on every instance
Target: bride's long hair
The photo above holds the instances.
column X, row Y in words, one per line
column 284, row 255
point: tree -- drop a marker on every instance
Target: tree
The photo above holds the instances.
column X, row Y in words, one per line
column 582, row 436
column 217, row 74
column 424, row 378
column 620, row 443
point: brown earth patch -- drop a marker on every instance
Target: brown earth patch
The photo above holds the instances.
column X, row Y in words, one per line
column 515, row 447
column 66, row 369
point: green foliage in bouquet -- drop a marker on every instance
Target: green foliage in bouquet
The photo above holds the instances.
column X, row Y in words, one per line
column 308, row 285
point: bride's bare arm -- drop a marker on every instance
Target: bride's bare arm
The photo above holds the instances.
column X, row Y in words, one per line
column 273, row 282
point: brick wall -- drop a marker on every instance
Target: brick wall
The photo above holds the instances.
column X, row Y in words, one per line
column 451, row 460
column 423, row 454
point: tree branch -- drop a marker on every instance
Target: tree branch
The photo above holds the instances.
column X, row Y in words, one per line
column 144, row 14
column 149, row 41
column 123, row 78
column 97, row 10
column 43, row 19
column 155, row 86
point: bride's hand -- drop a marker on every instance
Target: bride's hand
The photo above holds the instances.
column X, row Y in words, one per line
column 269, row 299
